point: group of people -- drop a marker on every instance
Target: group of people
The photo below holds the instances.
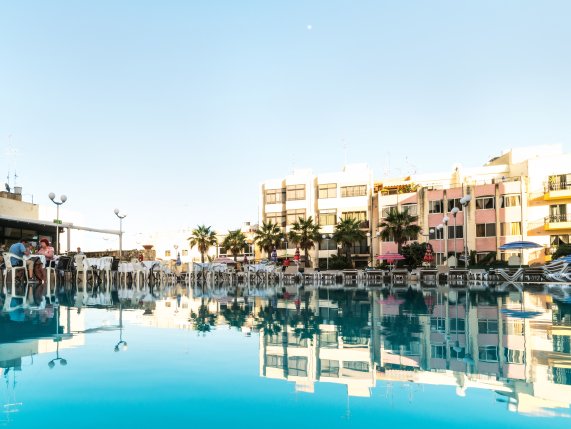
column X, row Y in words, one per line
column 27, row 254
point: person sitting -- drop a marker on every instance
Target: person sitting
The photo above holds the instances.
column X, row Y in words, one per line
column 21, row 249
column 47, row 251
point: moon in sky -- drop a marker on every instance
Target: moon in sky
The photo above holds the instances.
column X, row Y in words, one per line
column 309, row 27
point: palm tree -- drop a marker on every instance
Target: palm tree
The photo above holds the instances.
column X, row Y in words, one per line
column 268, row 236
column 304, row 233
column 203, row 237
column 348, row 231
column 234, row 242
column 400, row 227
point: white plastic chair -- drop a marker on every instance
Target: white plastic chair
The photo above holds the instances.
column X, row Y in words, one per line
column 12, row 300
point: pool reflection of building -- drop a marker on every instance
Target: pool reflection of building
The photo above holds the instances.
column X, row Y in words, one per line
column 325, row 340
column 517, row 345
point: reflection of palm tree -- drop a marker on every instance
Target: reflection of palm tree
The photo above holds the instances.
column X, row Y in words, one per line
column 203, row 320
column 267, row 321
column 402, row 330
column 235, row 315
column 306, row 324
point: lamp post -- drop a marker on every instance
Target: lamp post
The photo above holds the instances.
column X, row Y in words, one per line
column 63, row 199
column 327, row 237
column 121, row 345
column 370, row 243
column 454, row 212
column 121, row 217
column 440, row 227
column 57, row 340
column 465, row 200
column 445, row 220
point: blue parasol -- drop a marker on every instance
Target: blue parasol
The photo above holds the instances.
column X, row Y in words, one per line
column 517, row 245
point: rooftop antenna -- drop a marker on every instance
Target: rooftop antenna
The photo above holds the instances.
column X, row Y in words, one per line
column 388, row 167
column 411, row 168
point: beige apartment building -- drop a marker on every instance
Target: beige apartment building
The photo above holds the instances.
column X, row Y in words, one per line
column 326, row 198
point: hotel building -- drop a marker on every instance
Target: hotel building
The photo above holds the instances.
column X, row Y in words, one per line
column 326, row 198
column 522, row 194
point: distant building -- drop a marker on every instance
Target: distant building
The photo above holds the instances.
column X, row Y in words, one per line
column 522, row 194
column 326, row 198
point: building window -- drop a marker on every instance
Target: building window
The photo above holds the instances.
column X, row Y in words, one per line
column 512, row 327
column 167, row 253
column 485, row 203
column 329, row 368
column 295, row 192
column 327, row 244
column 437, row 324
column 488, row 326
column 557, row 240
column 328, row 190
column 510, row 201
column 184, row 252
column 435, row 206
column 412, row 209
column 297, row 366
column 457, row 354
column 459, row 231
column 278, row 218
column 353, row 191
column 356, row 366
column 360, row 216
column 438, row 351
column 558, row 182
column 457, row 325
column 328, row 217
column 488, row 353
column 435, row 234
column 485, row 230
column 274, row 361
column 510, row 228
column 294, row 215
column 388, row 210
column 454, row 202
column 328, row 339
column 360, row 247
column 514, row 356
column 275, row 196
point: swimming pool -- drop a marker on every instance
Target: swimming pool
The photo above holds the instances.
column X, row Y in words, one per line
column 333, row 357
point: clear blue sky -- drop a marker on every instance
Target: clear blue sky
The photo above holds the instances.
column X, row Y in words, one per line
column 175, row 111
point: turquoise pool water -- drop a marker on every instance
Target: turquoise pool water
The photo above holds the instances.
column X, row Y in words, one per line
column 327, row 357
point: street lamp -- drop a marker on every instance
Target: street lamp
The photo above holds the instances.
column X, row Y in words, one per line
column 63, row 199
column 445, row 220
column 454, row 212
column 370, row 243
column 121, row 345
column 285, row 244
column 327, row 237
column 121, row 217
column 57, row 339
column 465, row 200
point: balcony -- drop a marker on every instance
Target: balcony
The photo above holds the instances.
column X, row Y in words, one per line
column 557, row 222
column 557, row 191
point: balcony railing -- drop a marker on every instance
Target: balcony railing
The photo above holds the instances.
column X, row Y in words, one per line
column 558, row 218
column 557, row 187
